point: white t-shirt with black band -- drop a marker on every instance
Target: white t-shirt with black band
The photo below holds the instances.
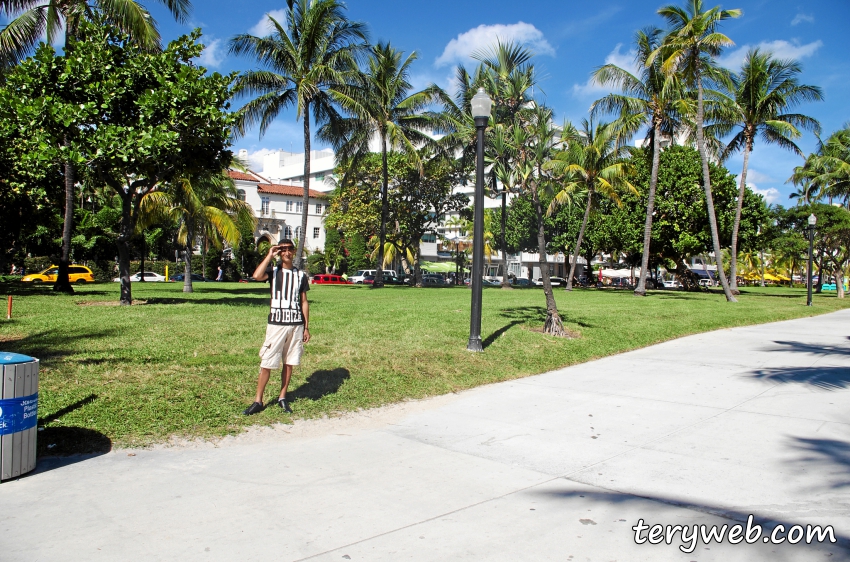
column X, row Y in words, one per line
column 286, row 288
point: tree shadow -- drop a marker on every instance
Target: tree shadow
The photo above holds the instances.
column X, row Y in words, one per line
column 825, row 378
column 320, row 384
column 51, row 345
column 802, row 347
column 829, row 452
column 67, row 410
column 227, row 301
column 768, row 523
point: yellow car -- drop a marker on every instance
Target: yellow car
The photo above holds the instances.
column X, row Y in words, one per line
column 76, row 274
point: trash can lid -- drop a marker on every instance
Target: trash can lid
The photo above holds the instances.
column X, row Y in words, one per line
column 8, row 358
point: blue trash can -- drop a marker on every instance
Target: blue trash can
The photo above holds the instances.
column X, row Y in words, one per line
column 18, row 414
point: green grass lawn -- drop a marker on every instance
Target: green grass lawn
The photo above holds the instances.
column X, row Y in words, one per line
column 186, row 364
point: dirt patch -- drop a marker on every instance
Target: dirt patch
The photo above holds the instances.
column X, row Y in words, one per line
column 571, row 334
column 108, row 303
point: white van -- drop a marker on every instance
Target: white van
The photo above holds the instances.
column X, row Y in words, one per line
column 357, row 278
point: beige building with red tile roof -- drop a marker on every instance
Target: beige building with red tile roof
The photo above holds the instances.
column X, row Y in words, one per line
column 278, row 209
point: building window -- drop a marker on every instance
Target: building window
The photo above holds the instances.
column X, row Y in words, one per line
column 289, row 206
column 320, row 177
column 318, row 208
column 315, row 232
column 265, row 205
column 287, row 232
column 299, row 206
column 298, row 232
column 240, row 194
column 429, row 237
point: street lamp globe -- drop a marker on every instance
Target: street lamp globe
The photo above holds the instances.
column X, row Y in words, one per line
column 813, row 220
column 481, row 104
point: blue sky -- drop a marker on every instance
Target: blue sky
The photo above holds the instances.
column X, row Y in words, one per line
column 570, row 40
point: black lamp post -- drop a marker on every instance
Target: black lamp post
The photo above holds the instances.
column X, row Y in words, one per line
column 812, row 222
column 481, row 104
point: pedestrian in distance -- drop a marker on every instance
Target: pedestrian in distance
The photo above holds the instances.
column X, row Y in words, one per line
column 289, row 317
column 220, row 276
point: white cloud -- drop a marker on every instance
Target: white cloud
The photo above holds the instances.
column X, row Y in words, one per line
column 781, row 49
column 256, row 157
column 623, row 60
column 212, row 55
column 771, row 194
column 484, row 37
column 799, row 18
column 264, row 26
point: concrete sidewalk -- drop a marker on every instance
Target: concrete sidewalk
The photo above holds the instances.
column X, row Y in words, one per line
column 702, row 430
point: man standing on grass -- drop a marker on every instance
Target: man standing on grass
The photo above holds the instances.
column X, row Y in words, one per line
column 286, row 332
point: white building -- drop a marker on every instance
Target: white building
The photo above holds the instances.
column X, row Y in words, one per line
column 287, row 168
column 278, row 207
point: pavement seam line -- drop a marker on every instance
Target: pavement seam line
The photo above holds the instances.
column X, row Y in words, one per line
column 458, row 510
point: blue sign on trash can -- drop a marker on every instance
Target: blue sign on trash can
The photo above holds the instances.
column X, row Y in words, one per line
column 18, row 414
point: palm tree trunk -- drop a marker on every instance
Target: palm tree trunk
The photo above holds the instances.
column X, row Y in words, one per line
column 187, row 258
column 506, row 283
column 299, row 251
column 733, row 268
column 578, row 242
column 761, row 263
column 553, row 325
column 650, row 207
column 63, row 284
column 839, row 283
column 709, row 200
column 379, row 267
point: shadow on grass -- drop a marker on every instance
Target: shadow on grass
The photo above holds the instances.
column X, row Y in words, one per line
column 50, row 345
column 825, row 378
column 320, row 384
column 226, row 301
column 488, row 341
column 831, row 454
column 54, row 444
column 536, row 314
column 789, row 552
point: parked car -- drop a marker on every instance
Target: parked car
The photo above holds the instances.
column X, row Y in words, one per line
column 621, row 283
column 433, row 281
column 672, row 284
column 491, row 283
column 150, row 276
column 329, row 279
column 521, row 282
column 182, row 276
column 388, row 279
column 357, row 278
column 76, row 274
column 556, row 281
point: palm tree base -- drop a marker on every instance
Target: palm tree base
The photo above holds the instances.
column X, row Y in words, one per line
column 639, row 293
column 507, row 286
column 554, row 326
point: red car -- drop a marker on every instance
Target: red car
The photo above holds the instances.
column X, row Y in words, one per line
column 328, row 279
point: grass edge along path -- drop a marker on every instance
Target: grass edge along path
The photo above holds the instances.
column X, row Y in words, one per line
column 185, row 365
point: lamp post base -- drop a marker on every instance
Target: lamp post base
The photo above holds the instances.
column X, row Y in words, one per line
column 474, row 344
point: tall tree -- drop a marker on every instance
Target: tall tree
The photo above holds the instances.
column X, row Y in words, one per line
column 206, row 205
column 593, row 161
column 37, row 19
column 653, row 98
column 380, row 106
column 826, row 173
column 757, row 106
column 688, row 50
column 316, row 48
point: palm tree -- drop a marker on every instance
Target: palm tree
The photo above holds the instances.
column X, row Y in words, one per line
column 688, row 50
column 206, row 206
column 317, row 48
column 826, row 173
column 507, row 74
column 653, row 98
column 593, row 161
column 37, row 19
column 379, row 105
column 533, row 139
column 757, row 106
